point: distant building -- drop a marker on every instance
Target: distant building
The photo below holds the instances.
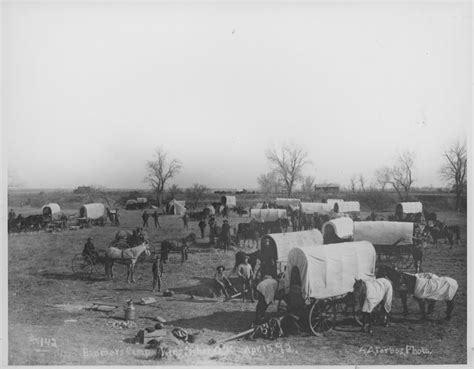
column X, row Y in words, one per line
column 327, row 187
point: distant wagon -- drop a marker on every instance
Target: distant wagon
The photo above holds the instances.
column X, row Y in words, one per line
column 409, row 211
column 331, row 202
column 315, row 208
column 131, row 204
column 280, row 244
column 142, row 202
column 51, row 212
column 92, row 214
column 229, row 201
column 319, row 281
column 347, row 207
column 283, row 203
column 338, row 230
column 267, row 215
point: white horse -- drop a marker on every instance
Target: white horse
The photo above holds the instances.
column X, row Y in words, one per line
column 128, row 257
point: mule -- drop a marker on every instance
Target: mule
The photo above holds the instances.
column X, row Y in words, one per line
column 128, row 257
column 423, row 290
column 370, row 295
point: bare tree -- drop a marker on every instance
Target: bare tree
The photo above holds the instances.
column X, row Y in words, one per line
column 307, row 187
column 160, row 170
column 454, row 169
column 174, row 190
column 288, row 163
column 401, row 175
column 269, row 183
column 196, row 193
column 362, row 182
column 353, row 183
column 382, row 177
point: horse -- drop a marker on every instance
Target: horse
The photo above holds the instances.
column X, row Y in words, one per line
column 127, row 256
column 440, row 231
column 371, row 294
column 424, row 287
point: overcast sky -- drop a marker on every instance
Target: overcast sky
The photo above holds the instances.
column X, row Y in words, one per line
column 91, row 90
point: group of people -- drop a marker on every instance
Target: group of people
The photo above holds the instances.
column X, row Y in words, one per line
column 267, row 290
column 155, row 215
column 214, row 235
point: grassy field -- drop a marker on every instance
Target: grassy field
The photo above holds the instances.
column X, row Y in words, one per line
column 47, row 324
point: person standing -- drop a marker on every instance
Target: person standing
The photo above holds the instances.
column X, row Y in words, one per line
column 117, row 217
column 155, row 219
column 202, row 226
column 145, row 217
column 225, row 235
column 185, row 221
column 157, row 272
column 245, row 273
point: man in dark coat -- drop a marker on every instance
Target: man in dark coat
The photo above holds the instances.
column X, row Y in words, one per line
column 145, row 217
column 202, row 227
column 225, row 235
column 89, row 250
column 155, row 219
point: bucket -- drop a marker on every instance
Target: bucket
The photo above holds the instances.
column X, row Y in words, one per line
column 129, row 311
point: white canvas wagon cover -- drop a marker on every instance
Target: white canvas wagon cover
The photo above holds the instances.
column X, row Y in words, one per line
column 292, row 203
column 230, row 201
column 284, row 242
column 92, row 211
column 50, row 209
column 329, row 270
column 331, row 202
column 384, row 232
column 267, row 215
column 178, row 207
column 342, row 227
column 347, row 207
column 410, row 207
column 315, row 207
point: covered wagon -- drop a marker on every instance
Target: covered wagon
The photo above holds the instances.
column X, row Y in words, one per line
column 347, row 207
column 277, row 246
column 142, row 202
column 331, row 202
column 409, row 211
column 338, row 230
column 267, row 215
column 393, row 241
column 284, row 203
column 319, row 281
column 51, row 212
column 131, row 204
column 229, row 201
column 94, row 213
column 315, row 208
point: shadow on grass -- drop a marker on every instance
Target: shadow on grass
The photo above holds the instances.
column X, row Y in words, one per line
column 222, row 321
column 74, row 277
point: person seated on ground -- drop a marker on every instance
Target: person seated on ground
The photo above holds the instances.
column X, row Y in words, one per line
column 221, row 281
column 246, row 275
column 89, row 250
column 268, row 290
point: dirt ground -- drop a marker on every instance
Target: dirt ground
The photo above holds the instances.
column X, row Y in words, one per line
column 48, row 324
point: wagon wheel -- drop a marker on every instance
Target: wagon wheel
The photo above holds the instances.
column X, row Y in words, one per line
column 82, row 264
column 348, row 306
column 322, row 316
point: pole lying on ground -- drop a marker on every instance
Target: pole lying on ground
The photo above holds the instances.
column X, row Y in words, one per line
column 235, row 336
column 231, row 297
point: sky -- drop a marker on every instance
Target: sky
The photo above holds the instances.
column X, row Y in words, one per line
column 90, row 90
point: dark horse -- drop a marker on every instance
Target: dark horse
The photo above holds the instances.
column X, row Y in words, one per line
column 405, row 284
column 371, row 294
